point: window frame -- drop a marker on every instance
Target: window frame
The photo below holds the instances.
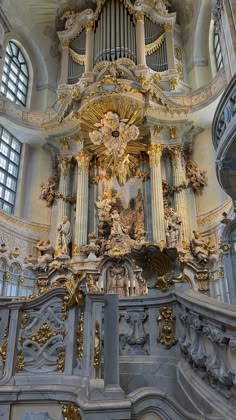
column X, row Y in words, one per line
column 15, row 81
column 217, row 51
column 9, row 177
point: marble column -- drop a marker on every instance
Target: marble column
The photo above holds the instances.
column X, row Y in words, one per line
column 64, row 62
column 180, row 197
column 140, row 38
column 89, row 47
column 81, row 221
column 158, row 221
column 64, row 187
column 170, row 46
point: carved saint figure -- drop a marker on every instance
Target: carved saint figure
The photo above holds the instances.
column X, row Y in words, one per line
column 118, row 279
column 200, row 247
column 46, row 254
column 117, row 227
column 173, row 229
column 64, row 236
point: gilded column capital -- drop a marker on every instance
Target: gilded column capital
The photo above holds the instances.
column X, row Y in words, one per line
column 64, row 164
column 89, row 25
column 139, row 17
column 83, row 159
column 65, row 43
column 168, row 27
column 155, row 152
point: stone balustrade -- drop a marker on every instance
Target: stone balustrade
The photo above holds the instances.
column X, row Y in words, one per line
column 56, row 348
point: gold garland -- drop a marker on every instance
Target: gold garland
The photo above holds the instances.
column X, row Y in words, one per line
column 151, row 48
column 77, row 58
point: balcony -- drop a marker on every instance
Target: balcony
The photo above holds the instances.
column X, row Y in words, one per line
column 224, row 139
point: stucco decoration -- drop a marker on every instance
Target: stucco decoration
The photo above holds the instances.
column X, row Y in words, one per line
column 114, row 133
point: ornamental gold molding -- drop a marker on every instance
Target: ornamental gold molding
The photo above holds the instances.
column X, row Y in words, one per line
column 151, row 48
column 44, row 333
column 173, row 84
column 3, row 347
column 61, row 360
column 70, row 412
column 180, row 71
column 157, row 130
column 64, row 144
column 203, row 280
column 167, row 327
column 178, row 53
column 74, row 294
column 80, row 336
column 89, row 26
column 97, row 351
column 155, row 152
column 173, row 132
column 24, row 319
column 20, row 362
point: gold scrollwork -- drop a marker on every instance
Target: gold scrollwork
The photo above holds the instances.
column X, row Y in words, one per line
column 80, row 336
column 173, row 84
column 203, row 280
column 74, row 294
column 24, row 319
column 70, row 412
column 43, row 334
column 178, row 53
column 20, row 362
column 3, row 347
column 167, row 327
column 97, row 351
column 180, row 71
column 61, row 360
column 173, row 132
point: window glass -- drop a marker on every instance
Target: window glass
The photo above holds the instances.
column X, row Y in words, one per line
column 218, row 52
column 10, row 151
column 15, row 76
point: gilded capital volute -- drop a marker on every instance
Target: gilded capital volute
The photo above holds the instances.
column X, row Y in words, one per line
column 155, row 152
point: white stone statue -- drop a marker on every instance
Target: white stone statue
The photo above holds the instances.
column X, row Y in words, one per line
column 64, row 236
column 117, row 227
column 173, row 229
column 118, row 279
column 46, row 254
column 200, row 248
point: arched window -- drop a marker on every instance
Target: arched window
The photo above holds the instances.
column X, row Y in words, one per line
column 218, row 52
column 15, row 78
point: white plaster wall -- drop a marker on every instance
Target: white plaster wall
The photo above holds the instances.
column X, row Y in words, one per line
column 204, row 154
column 38, row 171
column 53, row 410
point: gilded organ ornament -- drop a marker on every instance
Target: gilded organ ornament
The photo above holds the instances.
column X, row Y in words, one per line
column 114, row 133
column 167, row 326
